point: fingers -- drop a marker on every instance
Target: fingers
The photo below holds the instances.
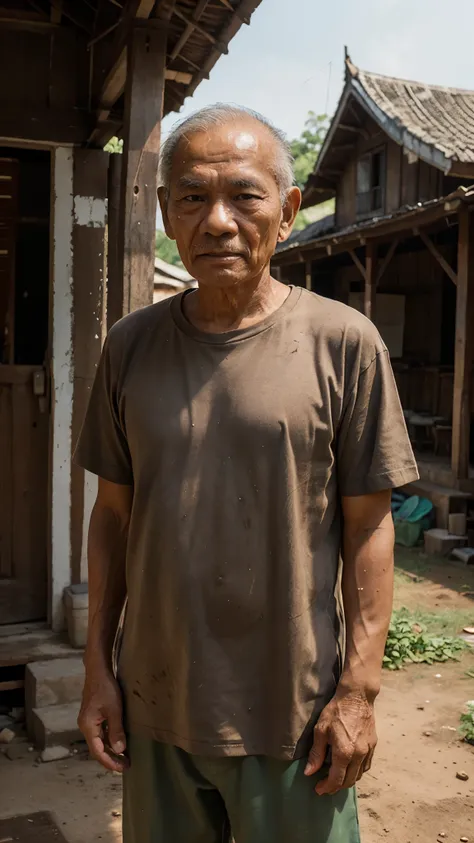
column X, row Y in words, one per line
column 100, row 754
column 91, row 724
column 336, row 776
column 318, row 752
column 368, row 760
column 115, row 731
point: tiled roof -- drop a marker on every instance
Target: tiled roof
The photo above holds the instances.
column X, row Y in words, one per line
column 439, row 117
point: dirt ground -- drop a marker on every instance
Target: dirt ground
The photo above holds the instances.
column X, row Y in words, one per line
column 411, row 795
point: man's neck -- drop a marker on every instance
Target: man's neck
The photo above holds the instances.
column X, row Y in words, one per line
column 217, row 310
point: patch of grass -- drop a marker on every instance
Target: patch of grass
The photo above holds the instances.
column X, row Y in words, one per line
column 412, row 560
column 445, row 621
column 410, row 642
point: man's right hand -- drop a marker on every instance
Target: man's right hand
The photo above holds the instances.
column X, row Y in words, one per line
column 100, row 720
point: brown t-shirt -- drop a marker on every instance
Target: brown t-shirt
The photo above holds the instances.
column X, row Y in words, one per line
column 239, row 447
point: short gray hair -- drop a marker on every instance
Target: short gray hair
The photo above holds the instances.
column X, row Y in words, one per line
column 217, row 115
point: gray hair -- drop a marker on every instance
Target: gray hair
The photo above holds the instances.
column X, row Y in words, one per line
column 216, row 115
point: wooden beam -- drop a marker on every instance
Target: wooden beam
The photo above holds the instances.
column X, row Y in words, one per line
column 179, row 77
column 370, row 286
column 142, row 128
column 462, row 170
column 308, row 274
column 360, row 266
column 437, row 255
column 45, row 124
column 114, row 83
column 388, row 257
column 349, row 128
column 194, row 24
column 56, row 12
column 189, row 29
column 27, row 25
column 12, row 685
column 114, row 260
column 464, row 346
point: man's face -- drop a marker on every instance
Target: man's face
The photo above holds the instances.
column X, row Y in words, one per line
column 224, row 207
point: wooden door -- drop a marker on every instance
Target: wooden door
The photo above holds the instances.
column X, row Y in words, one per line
column 24, row 427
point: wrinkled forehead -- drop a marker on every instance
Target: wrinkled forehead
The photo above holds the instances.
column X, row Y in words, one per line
column 240, row 144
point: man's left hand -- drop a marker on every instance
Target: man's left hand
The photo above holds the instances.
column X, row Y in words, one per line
column 346, row 727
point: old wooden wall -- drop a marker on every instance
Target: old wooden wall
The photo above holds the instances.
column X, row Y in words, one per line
column 406, row 183
column 47, row 95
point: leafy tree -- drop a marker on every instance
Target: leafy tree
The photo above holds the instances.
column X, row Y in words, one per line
column 166, row 249
column 306, row 148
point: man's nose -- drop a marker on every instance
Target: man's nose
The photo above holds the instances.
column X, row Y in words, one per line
column 219, row 220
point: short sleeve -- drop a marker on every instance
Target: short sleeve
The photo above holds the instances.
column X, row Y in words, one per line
column 373, row 449
column 102, row 447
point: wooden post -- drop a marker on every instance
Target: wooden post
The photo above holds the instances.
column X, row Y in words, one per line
column 308, row 274
column 370, row 286
column 88, row 240
column 464, row 346
column 114, row 262
column 142, row 125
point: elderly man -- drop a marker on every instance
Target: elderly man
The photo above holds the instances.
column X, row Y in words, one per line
column 246, row 436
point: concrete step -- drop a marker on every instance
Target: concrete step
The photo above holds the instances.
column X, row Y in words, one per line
column 56, row 725
column 51, row 683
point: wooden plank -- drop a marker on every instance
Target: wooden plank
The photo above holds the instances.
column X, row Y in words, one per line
column 370, row 286
column 24, row 597
column 189, row 29
column 12, row 685
column 437, row 255
column 360, row 266
column 464, row 346
column 6, row 481
column 62, row 126
column 142, row 130
column 114, row 264
column 114, row 77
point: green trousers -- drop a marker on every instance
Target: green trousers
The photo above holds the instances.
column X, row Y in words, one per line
column 173, row 797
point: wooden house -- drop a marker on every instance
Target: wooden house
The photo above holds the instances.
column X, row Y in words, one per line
column 398, row 160
column 169, row 280
column 75, row 73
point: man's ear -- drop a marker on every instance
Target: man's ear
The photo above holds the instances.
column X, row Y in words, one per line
column 163, row 200
column 288, row 213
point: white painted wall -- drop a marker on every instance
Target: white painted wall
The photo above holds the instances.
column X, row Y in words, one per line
column 91, row 484
column 62, row 379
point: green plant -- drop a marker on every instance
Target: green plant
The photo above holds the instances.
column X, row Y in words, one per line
column 467, row 723
column 409, row 642
column 115, row 145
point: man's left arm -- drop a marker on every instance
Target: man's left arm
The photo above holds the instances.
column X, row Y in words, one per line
column 347, row 724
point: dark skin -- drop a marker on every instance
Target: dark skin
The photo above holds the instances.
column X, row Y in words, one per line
column 225, row 212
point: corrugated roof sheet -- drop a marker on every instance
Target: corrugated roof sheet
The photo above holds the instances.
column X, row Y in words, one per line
column 311, row 232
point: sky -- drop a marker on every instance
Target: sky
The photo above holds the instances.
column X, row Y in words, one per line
column 290, row 59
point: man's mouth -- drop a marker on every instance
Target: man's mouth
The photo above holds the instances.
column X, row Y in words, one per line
column 220, row 255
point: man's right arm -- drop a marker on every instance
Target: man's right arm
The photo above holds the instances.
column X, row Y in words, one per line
column 100, row 718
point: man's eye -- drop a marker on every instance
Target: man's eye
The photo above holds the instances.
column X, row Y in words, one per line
column 247, row 196
column 193, row 197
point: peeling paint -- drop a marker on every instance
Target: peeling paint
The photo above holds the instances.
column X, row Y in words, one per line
column 62, row 380
column 90, row 212
column 91, row 484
